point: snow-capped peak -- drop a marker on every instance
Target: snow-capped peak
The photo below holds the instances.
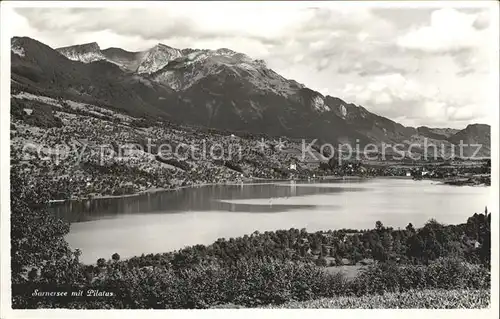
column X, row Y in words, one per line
column 86, row 53
column 224, row 51
column 319, row 104
column 16, row 48
column 343, row 110
column 157, row 57
column 197, row 64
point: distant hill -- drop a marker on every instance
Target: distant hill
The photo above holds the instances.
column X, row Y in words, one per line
column 39, row 69
column 476, row 137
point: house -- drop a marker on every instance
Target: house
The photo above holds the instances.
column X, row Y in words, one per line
column 293, row 166
column 345, row 261
column 366, row 261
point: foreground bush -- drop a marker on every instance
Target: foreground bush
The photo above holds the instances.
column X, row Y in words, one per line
column 252, row 283
column 428, row 299
column 444, row 273
column 263, row 283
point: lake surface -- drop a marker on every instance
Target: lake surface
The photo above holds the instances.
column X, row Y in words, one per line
column 166, row 221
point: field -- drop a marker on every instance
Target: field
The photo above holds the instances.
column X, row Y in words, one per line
column 349, row 271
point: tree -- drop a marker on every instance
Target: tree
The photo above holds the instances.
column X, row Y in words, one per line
column 387, row 242
column 332, row 252
column 77, row 253
column 38, row 249
column 379, row 226
column 324, row 250
column 115, row 257
column 321, row 261
column 101, row 262
column 398, row 246
column 410, row 228
column 379, row 252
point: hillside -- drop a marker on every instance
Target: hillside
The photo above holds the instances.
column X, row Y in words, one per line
column 38, row 69
column 477, row 136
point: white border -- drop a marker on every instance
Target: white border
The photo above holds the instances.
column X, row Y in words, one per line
column 5, row 294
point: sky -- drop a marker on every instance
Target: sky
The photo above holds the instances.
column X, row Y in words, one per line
column 417, row 66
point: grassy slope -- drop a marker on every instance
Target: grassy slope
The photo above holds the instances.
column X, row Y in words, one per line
column 426, row 299
column 435, row 299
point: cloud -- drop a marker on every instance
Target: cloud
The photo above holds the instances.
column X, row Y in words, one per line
column 422, row 66
column 370, row 68
column 482, row 21
column 194, row 20
column 465, row 71
column 412, row 103
column 202, row 21
column 403, row 18
column 448, row 31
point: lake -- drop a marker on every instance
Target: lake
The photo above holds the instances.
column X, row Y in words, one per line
column 170, row 220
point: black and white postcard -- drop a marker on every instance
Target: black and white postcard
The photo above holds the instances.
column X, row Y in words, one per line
column 249, row 156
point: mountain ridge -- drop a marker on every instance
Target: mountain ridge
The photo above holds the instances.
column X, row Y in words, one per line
column 221, row 88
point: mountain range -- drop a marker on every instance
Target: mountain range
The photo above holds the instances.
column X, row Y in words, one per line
column 220, row 89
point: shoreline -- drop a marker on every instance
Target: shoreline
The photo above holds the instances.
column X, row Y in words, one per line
column 251, row 181
column 254, row 181
column 162, row 189
column 144, row 192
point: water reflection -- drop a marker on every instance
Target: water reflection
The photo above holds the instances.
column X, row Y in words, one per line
column 202, row 198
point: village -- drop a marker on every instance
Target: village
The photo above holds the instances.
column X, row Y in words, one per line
column 76, row 151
